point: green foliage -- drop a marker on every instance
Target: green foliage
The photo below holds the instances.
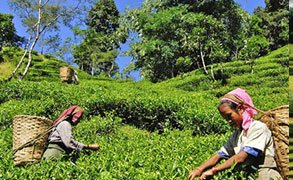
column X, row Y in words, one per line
column 97, row 52
column 175, row 37
column 255, row 47
column 173, row 42
column 8, row 36
column 43, row 67
column 146, row 130
column 129, row 153
column 291, row 25
column 275, row 22
column 103, row 17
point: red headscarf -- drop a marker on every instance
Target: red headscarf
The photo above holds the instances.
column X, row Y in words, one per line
column 74, row 111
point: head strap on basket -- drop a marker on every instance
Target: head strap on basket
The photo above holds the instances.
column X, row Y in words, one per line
column 242, row 102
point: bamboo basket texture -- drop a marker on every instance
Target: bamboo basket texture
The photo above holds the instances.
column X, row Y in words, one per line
column 277, row 120
column 66, row 74
column 25, row 129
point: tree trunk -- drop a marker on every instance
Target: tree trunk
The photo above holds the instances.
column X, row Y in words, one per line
column 22, row 58
column 251, row 66
column 198, row 64
column 112, row 67
column 42, row 43
column 29, row 58
column 202, row 59
column 236, row 53
column 212, row 71
column 221, row 65
column 38, row 33
column 34, row 43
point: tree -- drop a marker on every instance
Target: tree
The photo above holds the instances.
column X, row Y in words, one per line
column 226, row 11
column 8, row 36
column 255, row 47
column 275, row 22
column 291, row 26
column 97, row 52
column 103, row 17
column 92, row 59
column 276, row 5
column 40, row 16
column 171, row 41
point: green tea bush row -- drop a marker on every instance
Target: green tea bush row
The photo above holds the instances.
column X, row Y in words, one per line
column 126, row 153
column 151, row 106
column 145, row 108
column 275, row 62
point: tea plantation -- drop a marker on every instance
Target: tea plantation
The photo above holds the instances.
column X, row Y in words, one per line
column 146, row 130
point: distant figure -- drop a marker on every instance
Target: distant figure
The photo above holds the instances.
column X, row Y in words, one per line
column 251, row 144
column 75, row 78
column 61, row 140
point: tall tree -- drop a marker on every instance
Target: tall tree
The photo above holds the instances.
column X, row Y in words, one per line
column 92, row 59
column 39, row 16
column 103, row 17
column 97, row 52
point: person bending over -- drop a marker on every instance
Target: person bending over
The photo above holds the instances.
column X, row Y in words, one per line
column 250, row 145
column 61, row 140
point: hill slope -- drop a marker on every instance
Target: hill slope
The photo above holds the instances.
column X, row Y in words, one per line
column 43, row 67
column 146, row 130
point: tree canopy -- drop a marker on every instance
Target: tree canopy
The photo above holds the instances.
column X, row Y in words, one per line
column 97, row 52
column 8, row 36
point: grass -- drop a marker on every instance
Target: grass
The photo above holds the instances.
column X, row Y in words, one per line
column 6, row 68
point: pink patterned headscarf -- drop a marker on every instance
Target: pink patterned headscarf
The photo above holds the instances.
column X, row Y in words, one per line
column 249, row 112
column 74, row 111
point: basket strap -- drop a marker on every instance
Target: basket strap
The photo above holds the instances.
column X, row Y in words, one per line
column 39, row 136
column 241, row 101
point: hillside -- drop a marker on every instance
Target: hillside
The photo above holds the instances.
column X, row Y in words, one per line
column 146, row 130
column 43, row 67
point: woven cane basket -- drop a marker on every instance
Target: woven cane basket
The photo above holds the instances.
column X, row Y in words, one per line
column 25, row 129
column 277, row 120
column 66, row 74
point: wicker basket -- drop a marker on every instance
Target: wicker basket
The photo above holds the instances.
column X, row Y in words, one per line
column 277, row 121
column 66, row 74
column 25, row 129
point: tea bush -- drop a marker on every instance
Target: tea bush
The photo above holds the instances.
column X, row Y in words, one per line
column 127, row 153
column 146, row 130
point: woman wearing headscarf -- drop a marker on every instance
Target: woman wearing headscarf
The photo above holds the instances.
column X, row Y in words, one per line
column 61, row 140
column 251, row 144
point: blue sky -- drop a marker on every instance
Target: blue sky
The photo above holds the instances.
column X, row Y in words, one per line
column 122, row 61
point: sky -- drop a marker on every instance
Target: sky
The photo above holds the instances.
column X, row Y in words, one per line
column 122, row 61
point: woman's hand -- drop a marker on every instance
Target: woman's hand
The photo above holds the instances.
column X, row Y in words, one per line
column 206, row 174
column 93, row 146
column 195, row 173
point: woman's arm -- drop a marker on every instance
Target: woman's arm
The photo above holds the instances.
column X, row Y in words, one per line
column 237, row 158
column 209, row 163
